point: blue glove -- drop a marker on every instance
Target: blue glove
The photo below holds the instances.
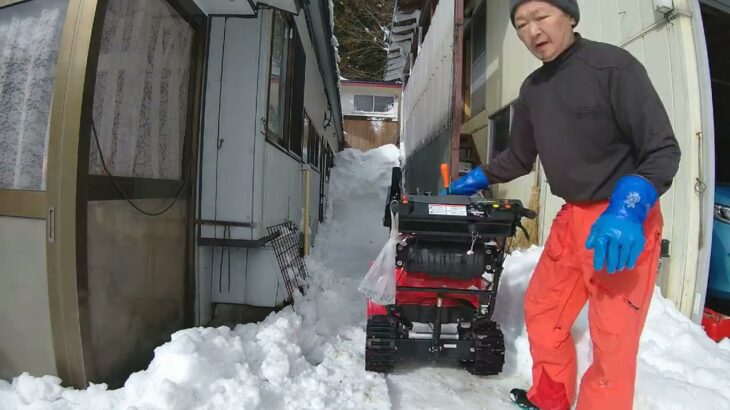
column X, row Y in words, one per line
column 617, row 237
column 470, row 183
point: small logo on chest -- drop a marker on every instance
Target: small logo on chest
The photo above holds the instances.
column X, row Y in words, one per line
column 591, row 111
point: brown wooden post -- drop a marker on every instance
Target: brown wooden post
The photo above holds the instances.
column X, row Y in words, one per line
column 457, row 99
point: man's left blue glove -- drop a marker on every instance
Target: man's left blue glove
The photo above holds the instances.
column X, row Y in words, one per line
column 469, row 184
column 617, row 237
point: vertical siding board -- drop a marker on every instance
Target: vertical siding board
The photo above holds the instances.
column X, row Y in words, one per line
column 629, row 18
column 590, row 25
column 610, row 21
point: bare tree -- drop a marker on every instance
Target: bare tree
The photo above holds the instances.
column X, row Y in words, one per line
column 361, row 28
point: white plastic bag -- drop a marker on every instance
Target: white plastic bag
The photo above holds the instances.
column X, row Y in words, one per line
column 379, row 283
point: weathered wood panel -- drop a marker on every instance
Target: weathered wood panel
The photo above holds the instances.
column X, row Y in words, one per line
column 364, row 133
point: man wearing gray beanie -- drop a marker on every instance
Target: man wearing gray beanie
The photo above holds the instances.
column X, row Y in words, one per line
column 570, row 7
column 607, row 148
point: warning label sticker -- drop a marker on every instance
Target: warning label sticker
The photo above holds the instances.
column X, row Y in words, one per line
column 449, row 210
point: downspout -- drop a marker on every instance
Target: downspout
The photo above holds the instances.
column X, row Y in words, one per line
column 457, row 99
column 706, row 183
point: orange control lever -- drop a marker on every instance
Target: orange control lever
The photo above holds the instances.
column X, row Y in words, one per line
column 445, row 174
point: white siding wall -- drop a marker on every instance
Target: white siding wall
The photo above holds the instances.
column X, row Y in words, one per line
column 667, row 50
column 256, row 181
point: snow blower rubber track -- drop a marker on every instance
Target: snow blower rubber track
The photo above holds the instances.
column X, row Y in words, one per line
column 380, row 348
column 488, row 346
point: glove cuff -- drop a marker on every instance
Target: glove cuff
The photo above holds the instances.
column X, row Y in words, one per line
column 632, row 198
column 470, row 183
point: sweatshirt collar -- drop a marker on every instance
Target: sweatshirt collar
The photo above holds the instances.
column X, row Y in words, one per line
column 565, row 55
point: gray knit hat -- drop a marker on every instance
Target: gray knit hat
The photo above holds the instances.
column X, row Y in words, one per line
column 568, row 6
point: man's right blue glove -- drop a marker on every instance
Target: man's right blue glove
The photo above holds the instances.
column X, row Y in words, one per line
column 470, row 184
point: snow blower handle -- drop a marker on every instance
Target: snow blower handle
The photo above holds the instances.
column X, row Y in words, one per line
column 527, row 213
column 445, row 176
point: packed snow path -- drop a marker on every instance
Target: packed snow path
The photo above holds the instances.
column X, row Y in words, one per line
column 312, row 356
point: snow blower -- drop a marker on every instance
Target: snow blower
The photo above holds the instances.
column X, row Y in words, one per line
column 448, row 262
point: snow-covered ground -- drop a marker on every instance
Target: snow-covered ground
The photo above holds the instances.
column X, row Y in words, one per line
column 311, row 356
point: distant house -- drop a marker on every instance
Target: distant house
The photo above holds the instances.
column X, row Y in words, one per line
column 371, row 113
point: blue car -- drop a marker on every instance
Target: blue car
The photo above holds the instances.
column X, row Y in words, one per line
column 718, row 289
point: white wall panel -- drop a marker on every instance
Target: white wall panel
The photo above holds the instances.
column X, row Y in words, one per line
column 283, row 193
column 26, row 342
column 208, row 149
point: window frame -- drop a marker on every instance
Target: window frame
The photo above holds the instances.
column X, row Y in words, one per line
column 509, row 108
column 481, row 11
column 33, row 204
column 289, row 117
column 468, row 59
column 356, row 111
column 281, row 141
column 101, row 187
column 6, row 3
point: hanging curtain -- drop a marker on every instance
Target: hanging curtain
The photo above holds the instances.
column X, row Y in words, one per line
column 141, row 93
column 30, row 36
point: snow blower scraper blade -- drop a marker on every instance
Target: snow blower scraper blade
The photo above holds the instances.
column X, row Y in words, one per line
column 447, row 264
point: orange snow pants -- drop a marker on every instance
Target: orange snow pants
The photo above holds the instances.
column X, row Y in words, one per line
column 563, row 281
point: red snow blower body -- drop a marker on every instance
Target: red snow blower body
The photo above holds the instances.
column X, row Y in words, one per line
column 448, row 267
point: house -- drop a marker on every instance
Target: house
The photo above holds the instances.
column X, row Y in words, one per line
column 370, row 109
column 462, row 66
column 152, row 153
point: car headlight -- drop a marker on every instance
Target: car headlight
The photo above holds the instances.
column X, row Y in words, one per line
column 722, row 213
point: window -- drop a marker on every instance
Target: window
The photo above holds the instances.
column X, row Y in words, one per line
column 330, row 161
column 140, row 111
column 314, row 147
column 475, row 63
column 30, row 37
column 284, row 124
column 326, row 165
column 478, row 76
column 500, row 124
column 374, row 103
column 277, row 78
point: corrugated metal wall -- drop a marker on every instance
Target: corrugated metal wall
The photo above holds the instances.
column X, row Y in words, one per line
column 427, row 103
column 667, row 50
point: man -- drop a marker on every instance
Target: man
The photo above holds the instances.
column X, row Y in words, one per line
column 607, row 147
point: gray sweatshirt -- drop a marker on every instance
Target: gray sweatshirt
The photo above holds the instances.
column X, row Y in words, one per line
column 593, row 116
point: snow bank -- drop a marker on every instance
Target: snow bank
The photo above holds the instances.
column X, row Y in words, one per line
column 312, row 356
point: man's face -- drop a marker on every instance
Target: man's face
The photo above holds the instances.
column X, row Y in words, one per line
column 545, row 29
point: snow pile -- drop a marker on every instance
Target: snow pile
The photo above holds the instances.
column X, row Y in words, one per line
column 312, row 356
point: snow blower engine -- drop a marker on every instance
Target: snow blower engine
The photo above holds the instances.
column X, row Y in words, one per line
column 447, row 271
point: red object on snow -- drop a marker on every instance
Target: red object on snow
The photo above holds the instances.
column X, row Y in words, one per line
column 716, row 325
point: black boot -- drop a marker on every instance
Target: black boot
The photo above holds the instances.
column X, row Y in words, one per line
column 519, row 397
